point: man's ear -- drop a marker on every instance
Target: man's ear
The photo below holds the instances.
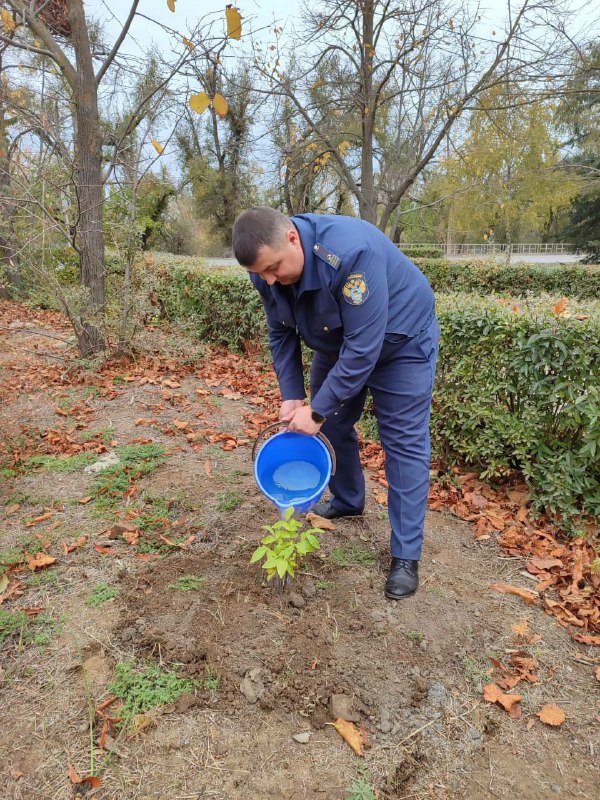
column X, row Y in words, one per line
column 293, row 236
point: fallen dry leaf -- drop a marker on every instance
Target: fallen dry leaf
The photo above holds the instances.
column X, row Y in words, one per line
column 171, row 384
column 105, row 551
column 561, row 306
column 13, row 508
column 181, row 424
column 84, row 500
column 588, row 639
column 92, row 781
column 143, row 421
column 521, row 629
column 524, row 594
column 207, row 467
column 552, row 715
column 39, row 561
column 68, row 548
column 509, row 702
column 319, row 522
column 41, row 518
column 355, row 738
column 380, row 497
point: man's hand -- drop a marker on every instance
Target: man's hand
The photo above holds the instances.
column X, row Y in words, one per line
column 301, row 421
column 288, row 407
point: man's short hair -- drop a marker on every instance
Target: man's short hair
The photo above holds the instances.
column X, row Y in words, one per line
column 255, row 228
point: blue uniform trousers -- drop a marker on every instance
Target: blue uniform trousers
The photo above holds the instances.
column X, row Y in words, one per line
column 401, row 385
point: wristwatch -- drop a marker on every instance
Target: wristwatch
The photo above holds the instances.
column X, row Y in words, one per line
column 316, row 417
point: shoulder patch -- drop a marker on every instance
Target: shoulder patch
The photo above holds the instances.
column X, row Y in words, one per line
column 355, row 290
column 333, row 260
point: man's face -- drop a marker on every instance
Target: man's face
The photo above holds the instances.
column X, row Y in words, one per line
column 283, row 263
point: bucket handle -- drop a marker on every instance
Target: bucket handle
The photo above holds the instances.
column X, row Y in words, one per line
column 282, row 423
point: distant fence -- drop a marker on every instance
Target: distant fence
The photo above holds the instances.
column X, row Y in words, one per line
column 490, row 248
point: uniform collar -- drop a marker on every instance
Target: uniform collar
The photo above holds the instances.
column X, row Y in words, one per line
column 310, row 280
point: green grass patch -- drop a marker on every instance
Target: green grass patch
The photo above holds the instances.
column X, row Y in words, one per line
column 189, row 583
column 325, row 585
column 135, row 461
column 20, row 629
column 228, row 501
column 101, row 594
column 61, row 463
column 415, row 636
column 353, row 555
column 144, row 687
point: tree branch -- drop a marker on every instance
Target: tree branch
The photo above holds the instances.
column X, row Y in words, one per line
column 111, row 56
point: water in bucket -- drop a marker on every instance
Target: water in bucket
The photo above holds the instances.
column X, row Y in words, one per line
column 294, row 481
column 293, row 470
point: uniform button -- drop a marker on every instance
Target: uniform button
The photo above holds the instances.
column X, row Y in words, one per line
column 325, row 328
column 316, row 247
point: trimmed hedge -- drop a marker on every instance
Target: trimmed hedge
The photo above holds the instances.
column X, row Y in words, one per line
column 517, row 387
column 482, row 277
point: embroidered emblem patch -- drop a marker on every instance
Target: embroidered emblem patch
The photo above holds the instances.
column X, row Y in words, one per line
column 355, row 289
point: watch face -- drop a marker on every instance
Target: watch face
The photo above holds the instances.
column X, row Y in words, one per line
column 316, row 417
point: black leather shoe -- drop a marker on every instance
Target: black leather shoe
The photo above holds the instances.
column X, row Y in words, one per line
column 326, row 510
column 403, row 579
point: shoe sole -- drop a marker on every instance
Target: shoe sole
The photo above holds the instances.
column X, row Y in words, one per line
column 399, row 596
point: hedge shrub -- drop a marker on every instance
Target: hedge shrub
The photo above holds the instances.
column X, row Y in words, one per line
column 574, row 280
column 517, row 387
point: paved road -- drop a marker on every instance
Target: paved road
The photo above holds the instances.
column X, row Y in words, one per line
column 557, row 258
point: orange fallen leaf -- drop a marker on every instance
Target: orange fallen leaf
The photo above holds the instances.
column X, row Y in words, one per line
column 181, row 424
column 132, row 537
column 171, row 384
column 552, row 715
column 93, row 782
column 521, row 629
column 319, row 522
column 13, row 508
column 380, row 497
column 588, row 639
column 39, row 561
column 105, row 551
column 351, row 734
column 524, row 594
column 207, row 467
column 16, row 774
column 143, row 421
column 509, row 702
column 84, row 500
column 41, row 518
column 561, row 306
column 68, row 548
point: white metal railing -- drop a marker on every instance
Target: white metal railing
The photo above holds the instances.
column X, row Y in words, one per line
column 485, row 248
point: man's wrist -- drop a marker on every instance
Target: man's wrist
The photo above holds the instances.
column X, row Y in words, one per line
column 316, row 417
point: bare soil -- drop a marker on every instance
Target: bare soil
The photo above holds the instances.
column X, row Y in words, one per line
column 414, row 671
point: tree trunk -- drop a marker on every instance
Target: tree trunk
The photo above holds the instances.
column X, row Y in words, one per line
column 9, row 258
column 90, row 196
column 368, row 194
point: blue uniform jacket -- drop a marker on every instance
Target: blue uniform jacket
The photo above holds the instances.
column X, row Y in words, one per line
column 356, row 290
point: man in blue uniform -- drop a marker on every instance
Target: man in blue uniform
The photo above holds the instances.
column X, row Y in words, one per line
column 340, row 285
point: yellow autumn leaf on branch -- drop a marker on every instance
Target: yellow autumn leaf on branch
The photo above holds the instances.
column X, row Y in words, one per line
column 171, row 5
column 8, row 22
column 234, row 22
column 158, row 147
column 189, row 44
column 199, row 102
column 220, row 105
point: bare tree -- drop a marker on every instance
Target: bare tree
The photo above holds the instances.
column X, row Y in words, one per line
column 58, row 30
column 397, row 76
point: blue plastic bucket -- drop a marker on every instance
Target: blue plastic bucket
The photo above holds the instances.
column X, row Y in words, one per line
column 292, row 469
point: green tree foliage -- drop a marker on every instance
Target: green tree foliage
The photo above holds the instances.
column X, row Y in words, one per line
column 504, row 180
column 579, row 113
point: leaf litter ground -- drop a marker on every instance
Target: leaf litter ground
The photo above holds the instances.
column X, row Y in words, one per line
column 151, row 567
